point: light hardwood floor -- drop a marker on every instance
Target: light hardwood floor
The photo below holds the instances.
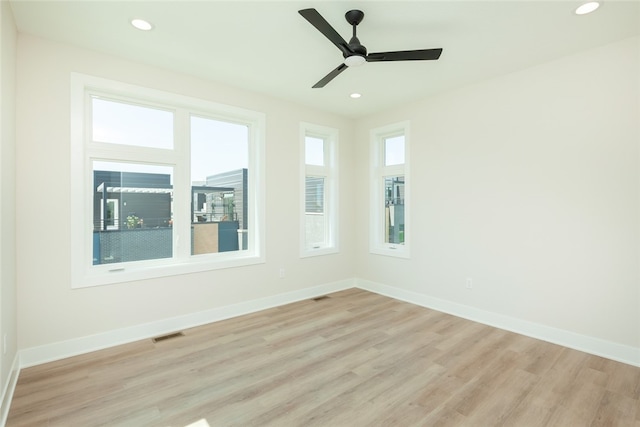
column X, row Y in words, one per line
column 354, row 359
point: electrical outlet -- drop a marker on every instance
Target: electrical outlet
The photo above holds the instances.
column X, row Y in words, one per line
column 281, row 273
column 469, row 283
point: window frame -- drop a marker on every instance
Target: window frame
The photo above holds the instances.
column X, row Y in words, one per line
column 330, row 173
column 84, row 151
column 378, row 172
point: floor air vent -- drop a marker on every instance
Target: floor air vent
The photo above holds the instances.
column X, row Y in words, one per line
column 167, row 337
column 320, row 298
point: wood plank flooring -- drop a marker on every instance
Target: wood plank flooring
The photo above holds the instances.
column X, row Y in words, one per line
column 354, row 359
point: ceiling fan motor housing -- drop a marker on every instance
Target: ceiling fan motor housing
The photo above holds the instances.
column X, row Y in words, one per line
column 356, row 47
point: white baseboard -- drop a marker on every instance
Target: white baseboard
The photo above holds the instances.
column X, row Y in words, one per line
column 9, row 388
column 60, row 350
column 599, row 347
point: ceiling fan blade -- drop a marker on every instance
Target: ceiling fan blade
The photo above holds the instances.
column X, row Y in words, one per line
column 326, row 79
column 325, row 28
column 405, row 55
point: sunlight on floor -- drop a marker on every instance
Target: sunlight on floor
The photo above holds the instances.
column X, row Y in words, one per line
column 199, row 423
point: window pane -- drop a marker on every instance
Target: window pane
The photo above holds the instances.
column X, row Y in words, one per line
column 394, row 209
column 394, row 151
column 132, row 212
column 219, row 172
column 315, row 215
column 120, row 123
column 314, row 151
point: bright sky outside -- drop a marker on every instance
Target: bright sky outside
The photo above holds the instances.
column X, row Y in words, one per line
column 394, row 150
column 216, row 146
column 314, row 151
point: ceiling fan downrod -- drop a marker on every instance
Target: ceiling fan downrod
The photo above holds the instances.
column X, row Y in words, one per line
column 354, row 17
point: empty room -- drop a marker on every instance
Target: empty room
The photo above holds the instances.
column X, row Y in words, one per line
column 331, row 213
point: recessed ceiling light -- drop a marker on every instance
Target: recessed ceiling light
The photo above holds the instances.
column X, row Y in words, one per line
column 355, row 95
column 588, row 7
column 141, row 24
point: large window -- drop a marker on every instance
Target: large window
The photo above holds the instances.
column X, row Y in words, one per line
column 389, row 218
column 319, row 190
column 161, row 184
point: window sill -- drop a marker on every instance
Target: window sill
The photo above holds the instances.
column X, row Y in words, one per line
column 121, row 273
column 307, row 253
column 396, row 251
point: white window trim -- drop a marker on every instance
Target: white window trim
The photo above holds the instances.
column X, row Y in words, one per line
column 377, row 173
column 330, row 173
column 83, row 273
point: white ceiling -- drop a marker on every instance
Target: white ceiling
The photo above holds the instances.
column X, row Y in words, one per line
column 267, row 47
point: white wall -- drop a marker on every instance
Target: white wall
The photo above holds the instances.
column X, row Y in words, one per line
column 530, row 185
column 49, row 310
column 8, row 325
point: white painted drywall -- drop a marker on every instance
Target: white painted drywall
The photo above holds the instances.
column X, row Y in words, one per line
column 8, row 316
column 49, row 310
column 530, row 185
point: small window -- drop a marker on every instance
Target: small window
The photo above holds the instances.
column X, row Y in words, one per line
column 389, row 218
column 394, row 210
column 315, row 215
column 394, row 150
column 319, row 190
column 127, row 124
column 314, row 151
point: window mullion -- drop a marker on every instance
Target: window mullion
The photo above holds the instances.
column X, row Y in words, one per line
column 321, row 171
column 181, row 203
column 392, row 170
column 134, row 155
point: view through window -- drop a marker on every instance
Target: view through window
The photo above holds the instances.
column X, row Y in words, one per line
column 219, row 186
column 319, row 190
column 172, row 184
column 394, row 191
column 389, row 191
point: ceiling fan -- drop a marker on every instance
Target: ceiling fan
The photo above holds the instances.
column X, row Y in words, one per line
column 354, row 52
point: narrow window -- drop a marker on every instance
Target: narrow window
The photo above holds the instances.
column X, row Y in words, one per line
column 389, row 191
column 319, row 190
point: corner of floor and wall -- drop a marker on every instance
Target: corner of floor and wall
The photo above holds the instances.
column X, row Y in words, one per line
column 38, row 355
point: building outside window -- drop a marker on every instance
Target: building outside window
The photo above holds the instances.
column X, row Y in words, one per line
column 162, row 184
column 319, row 190
column 389, row 219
